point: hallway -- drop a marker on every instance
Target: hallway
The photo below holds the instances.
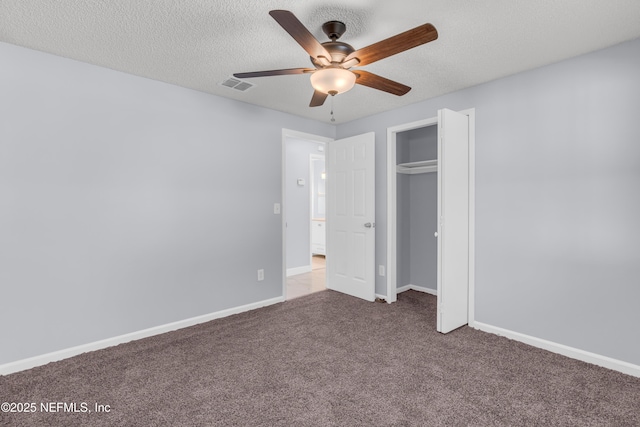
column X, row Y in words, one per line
column 308, row 283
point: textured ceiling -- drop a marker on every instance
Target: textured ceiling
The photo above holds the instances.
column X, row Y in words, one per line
column 198, row 44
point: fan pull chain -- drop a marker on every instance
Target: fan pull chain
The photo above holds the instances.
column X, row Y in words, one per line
column 333, row 119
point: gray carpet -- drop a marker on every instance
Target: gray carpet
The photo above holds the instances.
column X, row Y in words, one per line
column 326, row 360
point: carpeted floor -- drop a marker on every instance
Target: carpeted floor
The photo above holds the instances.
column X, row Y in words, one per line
column 325, row 360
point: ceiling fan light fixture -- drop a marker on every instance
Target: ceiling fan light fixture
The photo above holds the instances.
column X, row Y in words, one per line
column 333, row 59
column 333, row 80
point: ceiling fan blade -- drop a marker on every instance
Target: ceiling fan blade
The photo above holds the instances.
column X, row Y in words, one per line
column 284, row 72
column 317, row 99
column 375, row 81
column 299, row 32
column 396, row 44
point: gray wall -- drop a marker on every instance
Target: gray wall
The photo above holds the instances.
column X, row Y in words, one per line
column 298, row 203
column 403, row 210
column 127, row 203
column 557, row 199
column 423, row 252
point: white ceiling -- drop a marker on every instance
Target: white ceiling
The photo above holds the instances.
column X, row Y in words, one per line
column 198, row 44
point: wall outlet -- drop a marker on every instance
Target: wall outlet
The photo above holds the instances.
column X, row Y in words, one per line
column 381, row 270
column 260, row 275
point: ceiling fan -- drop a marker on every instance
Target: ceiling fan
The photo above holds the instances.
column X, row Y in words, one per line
column 333, row 60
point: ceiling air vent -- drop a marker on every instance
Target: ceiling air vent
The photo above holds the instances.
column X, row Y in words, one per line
column 237, row 84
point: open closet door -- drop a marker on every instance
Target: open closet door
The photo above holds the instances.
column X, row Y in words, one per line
column 351, row 216
column 453, row 224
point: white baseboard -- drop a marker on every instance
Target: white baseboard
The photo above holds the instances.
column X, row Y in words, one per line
column 32, row 362
column 417, row 288
column 298, row 270
column 574, row 353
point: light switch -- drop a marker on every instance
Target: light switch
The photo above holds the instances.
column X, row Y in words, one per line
column 301, row 182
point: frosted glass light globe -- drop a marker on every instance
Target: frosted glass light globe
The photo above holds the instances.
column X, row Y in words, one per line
column 333, row 80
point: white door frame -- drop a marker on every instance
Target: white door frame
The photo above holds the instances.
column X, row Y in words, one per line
column 392, row 205
column 286, row 134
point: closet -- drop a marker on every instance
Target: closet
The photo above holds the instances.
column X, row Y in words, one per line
column 430, row 212
column 417, row 209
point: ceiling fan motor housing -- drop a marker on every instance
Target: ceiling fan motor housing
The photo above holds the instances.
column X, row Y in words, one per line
column 338, row 50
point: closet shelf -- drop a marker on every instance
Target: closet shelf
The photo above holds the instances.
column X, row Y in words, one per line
column 417, row 167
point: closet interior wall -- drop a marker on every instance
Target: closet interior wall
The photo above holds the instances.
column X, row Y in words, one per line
column 417, row 211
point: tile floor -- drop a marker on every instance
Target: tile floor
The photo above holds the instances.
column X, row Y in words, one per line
column 307, row 283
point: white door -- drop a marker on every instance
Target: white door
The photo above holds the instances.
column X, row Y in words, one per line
column 453, row 214
column 351, row 216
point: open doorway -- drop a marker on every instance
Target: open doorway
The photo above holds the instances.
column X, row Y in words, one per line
column 304, row 222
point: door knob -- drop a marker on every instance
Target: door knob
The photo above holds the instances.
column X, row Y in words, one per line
column 435, row 234
column 368, row 225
